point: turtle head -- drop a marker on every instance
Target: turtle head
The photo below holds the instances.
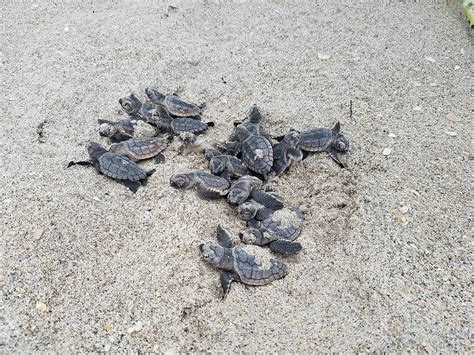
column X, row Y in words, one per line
column 217, row 164
column 181, row 181
column 154, row 95
column 211, row 253
column 250, row 235
column 130, row 104
column 255, row 116
column 248, row 210
column 242, row 133
column 95, row 150
column 292, row 138
column 341, row 144
column 107, row 130
column 237, row 196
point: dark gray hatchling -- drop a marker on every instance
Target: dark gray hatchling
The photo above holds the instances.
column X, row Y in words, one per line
column 257, row 152
column 208, row 186
column 137, row 109
column 141, row 148
column 239, row 265
column 285, row 152
column 278, row 231
column 116, row 166
column 242, row 188
column 119, row 131
column 226, row 166
column 260, row 206
column 174, row 105
column 251, row 123
column 325, row 140
column 168, row 124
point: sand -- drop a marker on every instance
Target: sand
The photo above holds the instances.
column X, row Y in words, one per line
column 88, row 266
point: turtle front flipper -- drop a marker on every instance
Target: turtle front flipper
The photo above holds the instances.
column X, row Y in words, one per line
column 207, row 194
column 285, row 247
column 160, row 158
column 333, row 154
column 118, row 137
column 266, row 199
column 226, row 279
column 84, row 163
column 223, row 237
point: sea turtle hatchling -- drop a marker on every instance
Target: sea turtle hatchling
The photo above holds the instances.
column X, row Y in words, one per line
column 257, row 152
column 122, row 130
column 175, row 105
column 285, row 152
column 251, row 123
column 226, row 166
column 137, row 109
column 260, row 206
column 278, row 231
column 115, row 166
column 238, row 265
column 141, row 148
column 168, row 124
column 325, row 140
column 208, row 186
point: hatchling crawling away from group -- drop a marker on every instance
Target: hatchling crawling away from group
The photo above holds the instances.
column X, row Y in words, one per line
column 277, row 231
column 208, row 186
column 175, row 105
column 116, row 167
column 238, row 265
column 325, row 140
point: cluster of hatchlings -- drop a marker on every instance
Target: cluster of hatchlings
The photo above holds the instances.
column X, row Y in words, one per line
column 238, row 169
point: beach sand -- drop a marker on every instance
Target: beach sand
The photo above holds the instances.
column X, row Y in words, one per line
column 89, row 266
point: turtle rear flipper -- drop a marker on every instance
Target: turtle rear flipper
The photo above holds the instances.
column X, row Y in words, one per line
column 132, row 185
column 150, row 172
column 285, row 247
column 207, row 194
column 226, row 279
column 266, row 199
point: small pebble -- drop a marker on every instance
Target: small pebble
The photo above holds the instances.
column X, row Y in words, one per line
column 136, row 328
column 417, row 84
column 433, row 84
column 323, row 56
column 40, row 306
column 404, row 209
column 400, row 219
column 457, row 67
column 415, row 192
column 66, row 29
column 452, row 117
column 107, row 347
column 391, row 135
column 451, row 133
column 387, row 151
column 95, row 198
column 430, row 59
column 37, row 234
column 417, row 108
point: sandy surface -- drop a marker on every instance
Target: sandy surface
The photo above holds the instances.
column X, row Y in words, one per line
column 87, row 265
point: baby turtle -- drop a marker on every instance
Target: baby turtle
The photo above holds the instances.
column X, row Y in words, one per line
column 226, row 166
column 123, row 130
column 251, row 123
column 141, row 148
column 260, row 206
column 242, row 188
column 116, row 166
column 238, row 265
column 173, row 104
column 285, row 152
column 181, row 124
column 137, row 109
column 325, row 140
column 278, row 232
column 257, row 152
column 208, row 186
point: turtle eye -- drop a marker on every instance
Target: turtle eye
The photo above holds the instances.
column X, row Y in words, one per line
column 341, row 145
